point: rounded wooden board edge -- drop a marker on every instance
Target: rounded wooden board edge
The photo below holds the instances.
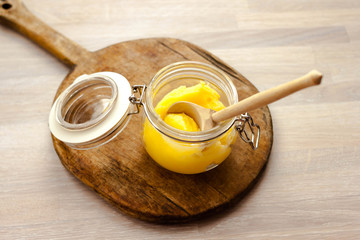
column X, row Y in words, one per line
column 209, row 58
column 166, row 219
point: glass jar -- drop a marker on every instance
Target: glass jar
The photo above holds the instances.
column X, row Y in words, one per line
column 183, row 151
column 97, row 107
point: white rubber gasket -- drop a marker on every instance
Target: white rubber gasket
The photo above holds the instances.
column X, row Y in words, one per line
column 118, row 113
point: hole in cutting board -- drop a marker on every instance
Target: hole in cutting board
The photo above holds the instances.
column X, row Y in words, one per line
column 6, row 6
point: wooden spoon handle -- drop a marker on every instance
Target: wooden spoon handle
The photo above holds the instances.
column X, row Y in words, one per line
column 14, row 14
column 266, row 97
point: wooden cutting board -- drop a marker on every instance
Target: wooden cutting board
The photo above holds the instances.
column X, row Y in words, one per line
column 121, row 171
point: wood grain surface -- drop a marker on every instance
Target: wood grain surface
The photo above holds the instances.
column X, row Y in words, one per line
column 309, row 189
column 121, row 171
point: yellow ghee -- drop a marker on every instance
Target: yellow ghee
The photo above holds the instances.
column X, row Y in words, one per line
column 184, row 157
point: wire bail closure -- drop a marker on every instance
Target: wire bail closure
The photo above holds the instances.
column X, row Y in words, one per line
column 246, row 123
column 138, row 102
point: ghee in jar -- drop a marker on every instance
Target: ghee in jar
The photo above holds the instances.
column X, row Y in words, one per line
column 184, row 157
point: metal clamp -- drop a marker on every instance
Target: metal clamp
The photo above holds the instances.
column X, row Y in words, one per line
column 138, row 102
column 246, row 123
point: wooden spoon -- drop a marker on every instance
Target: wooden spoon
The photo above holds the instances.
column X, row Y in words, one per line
column 207, row 118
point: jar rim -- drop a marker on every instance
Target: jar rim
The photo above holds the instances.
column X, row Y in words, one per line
column 186, row 136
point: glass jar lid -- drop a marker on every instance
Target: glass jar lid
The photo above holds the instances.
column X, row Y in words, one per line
column 91, row 110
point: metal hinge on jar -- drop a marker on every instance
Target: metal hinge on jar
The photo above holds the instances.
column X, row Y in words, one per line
column 137, row 101
column 243, row 125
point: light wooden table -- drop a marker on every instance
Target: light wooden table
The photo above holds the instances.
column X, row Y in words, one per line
column 311, row 186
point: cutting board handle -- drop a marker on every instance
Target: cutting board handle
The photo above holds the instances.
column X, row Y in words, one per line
column 14, row 14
